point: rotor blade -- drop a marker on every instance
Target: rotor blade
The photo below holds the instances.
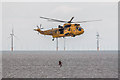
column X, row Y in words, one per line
column 49, row 19
column 70, row 20
column 85, row 21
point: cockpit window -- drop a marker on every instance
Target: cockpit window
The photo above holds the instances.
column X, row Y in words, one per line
column 79, row 29
column 69, row 29
column 76, row 27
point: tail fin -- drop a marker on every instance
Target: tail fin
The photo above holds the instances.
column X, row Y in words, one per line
column 37, row 29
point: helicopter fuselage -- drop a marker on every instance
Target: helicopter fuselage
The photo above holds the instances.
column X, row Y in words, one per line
column 65, row 30
column 70, row 28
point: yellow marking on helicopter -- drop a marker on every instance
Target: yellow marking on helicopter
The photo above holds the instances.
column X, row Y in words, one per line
column 68, row 29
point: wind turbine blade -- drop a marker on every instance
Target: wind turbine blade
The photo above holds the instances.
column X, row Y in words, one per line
column 16, row 37
column 9, row 37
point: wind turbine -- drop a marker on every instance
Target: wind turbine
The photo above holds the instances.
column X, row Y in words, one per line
column 12, row 36
column 12, row 39
column 98, row 41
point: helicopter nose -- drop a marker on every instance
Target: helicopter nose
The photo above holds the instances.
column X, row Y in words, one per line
column 82, row 30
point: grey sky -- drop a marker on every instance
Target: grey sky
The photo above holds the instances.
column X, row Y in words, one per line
column 1, row 26
column 25, row 17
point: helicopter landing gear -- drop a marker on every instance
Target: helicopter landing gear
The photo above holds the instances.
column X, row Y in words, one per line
column 73, row 35
column 53, row 39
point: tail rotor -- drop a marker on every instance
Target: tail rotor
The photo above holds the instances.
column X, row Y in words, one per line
column 41, row 27
column 38, row 28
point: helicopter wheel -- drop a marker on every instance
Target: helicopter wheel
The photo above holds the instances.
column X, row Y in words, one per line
column 53, row 39
column 73, row 35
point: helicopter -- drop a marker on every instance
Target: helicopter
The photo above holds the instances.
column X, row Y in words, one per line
column 69, row 28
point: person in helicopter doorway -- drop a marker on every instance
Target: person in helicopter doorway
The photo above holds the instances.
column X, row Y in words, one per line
column 60, row 63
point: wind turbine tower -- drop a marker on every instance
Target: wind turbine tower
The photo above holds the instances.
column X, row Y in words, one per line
column 98, row 41
column 64, row 43
column 12, row 35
